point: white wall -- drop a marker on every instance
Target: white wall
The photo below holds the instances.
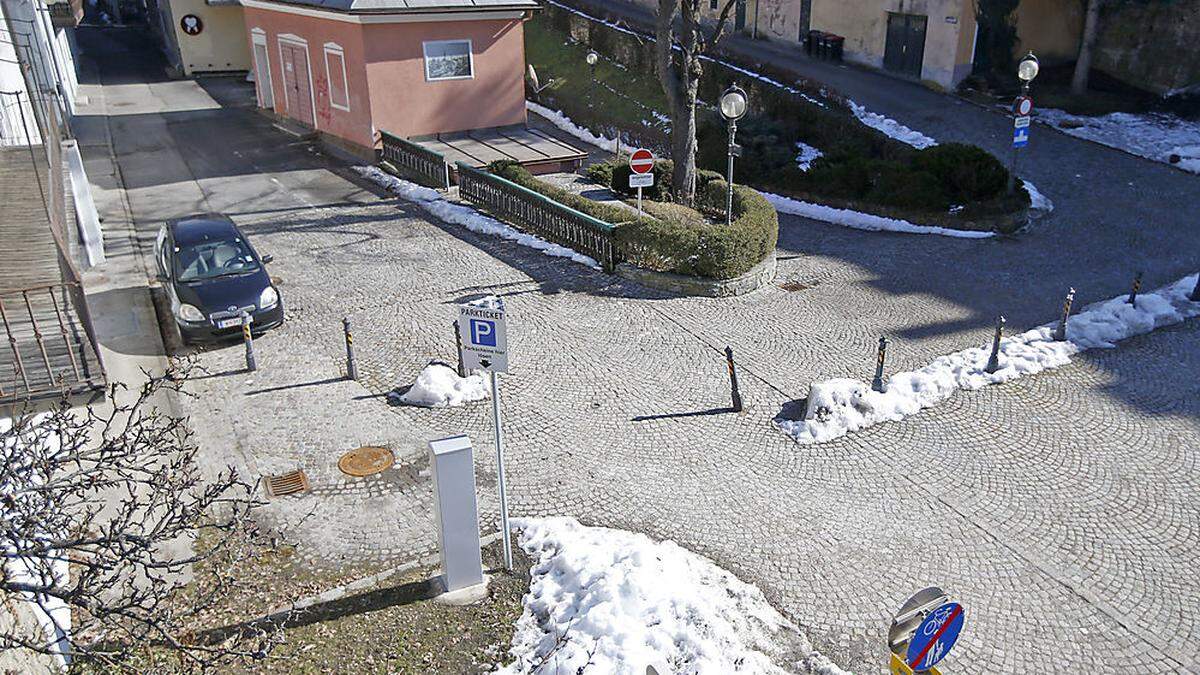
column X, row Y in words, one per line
column 26, row 36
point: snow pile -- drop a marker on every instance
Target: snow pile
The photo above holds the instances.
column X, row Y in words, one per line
column 433, row 202
column 863, row 221
column 891, row 127
column 618, row 601
column 563, row 122
column 806, row 155
column 439, row 386
column 1037, row 200
column 1155, row 136
column 837, row 407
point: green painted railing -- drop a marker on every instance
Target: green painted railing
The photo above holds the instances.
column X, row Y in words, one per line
column 415, row 161
column 538, row 214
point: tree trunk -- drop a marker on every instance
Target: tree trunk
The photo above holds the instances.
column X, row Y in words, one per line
column 1083, row 65
column 683, row 151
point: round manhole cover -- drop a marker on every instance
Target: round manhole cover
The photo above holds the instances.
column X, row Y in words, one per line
column 366, row 461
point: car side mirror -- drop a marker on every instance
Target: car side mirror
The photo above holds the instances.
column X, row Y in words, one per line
column 267, row 258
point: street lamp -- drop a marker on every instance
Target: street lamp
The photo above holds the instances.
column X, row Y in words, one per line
column 1027, row 69
column 592, row 59
column 733, row 108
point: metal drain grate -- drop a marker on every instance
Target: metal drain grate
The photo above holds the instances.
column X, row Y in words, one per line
column 290, row 483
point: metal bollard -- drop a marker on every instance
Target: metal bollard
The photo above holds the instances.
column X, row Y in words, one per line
column 1195, row 296
column 733, row 383
column 1137, row 286
column 351, row 362
column 462, row 371
column 248, row 339
column 993, row 363
column 877, row 383
column 1060, row 331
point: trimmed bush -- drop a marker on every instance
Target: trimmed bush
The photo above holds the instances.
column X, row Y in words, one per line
column 678, row 239
column 967, row 173
column 662, row 180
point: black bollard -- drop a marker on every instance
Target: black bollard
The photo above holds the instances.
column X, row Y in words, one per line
column 1195, row 296
column 1060, row 331
column 733, row 383
column 993, row 363
column 248, row 339
column 351, row 362
column 1137, row 286
column 877, row 383
column 462, row 371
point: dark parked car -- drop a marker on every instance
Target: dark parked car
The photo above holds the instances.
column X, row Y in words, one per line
column 212, row 275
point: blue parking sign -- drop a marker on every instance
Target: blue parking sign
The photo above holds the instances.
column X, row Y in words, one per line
column 483, row 332
column 1021, row 137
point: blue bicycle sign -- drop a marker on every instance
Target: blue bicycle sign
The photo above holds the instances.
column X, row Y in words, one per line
column 935, row 637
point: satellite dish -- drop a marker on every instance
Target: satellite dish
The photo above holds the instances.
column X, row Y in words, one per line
column 533, row 78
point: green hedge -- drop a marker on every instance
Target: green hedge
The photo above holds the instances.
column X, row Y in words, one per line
column 675, row 242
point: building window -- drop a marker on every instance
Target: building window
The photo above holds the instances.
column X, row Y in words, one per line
column 335, row 73
column 712, row 4
column 448, row 60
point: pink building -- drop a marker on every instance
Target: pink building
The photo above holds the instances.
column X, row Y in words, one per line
column 414, row 68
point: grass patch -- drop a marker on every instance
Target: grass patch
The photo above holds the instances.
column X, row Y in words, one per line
column 860, row 165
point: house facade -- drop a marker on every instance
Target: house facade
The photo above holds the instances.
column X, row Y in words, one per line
column 352, row 68
column 201, row 36
column 928, row 40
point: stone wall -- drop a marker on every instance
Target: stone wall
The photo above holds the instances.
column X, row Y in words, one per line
column 1152, row 45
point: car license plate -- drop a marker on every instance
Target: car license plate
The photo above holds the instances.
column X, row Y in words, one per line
column 229, row 323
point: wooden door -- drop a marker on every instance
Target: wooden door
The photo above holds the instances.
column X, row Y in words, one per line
column 297, row 85
column 739, row 15
column 904, row 51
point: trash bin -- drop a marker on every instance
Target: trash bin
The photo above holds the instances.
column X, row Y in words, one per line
column 836, row 44
column 811, row 43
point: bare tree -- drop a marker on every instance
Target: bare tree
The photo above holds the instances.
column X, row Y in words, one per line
column 106, row 515
column 1087, row 43
column 678, row 51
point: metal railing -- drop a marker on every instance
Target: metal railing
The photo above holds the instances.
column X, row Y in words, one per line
column 46, row 354
column 538, row 214
column 415, row 161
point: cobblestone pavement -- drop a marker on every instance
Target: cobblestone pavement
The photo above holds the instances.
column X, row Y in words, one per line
column 1061, row 509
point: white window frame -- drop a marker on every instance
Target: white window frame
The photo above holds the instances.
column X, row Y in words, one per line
column 297, row 41
column 470, row 59
column 335, row 48
column 258, row 36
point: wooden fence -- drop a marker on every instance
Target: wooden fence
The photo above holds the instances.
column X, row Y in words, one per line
column 538, row 214
column 415, row 161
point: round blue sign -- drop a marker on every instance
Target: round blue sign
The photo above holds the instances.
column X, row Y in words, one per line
column 935, row 637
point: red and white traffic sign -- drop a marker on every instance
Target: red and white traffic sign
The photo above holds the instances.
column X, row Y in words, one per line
column 1022, row 106
column 641, row 161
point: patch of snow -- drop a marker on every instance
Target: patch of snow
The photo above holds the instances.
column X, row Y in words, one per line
column 1155, row 136
column 439, row 386
column 806, row 155
column 891, row 127
column 1037, row 200
column 52, row 614
column 863, row 221
column 460, row 214
column 837, row 407
column 617, row 601
column 563, row 122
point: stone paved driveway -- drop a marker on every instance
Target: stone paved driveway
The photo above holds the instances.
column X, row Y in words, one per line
column 1061, row 509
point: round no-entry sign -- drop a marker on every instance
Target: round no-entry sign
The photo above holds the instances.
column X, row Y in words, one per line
column 1023, row 106
column 641, row 161
column 935, row 637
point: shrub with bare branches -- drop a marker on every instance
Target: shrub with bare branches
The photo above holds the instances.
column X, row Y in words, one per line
column 106, row 515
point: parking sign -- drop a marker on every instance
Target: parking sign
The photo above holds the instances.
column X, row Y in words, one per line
column 482, row 329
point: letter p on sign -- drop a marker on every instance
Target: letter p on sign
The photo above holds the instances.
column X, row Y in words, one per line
column 483, row 333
